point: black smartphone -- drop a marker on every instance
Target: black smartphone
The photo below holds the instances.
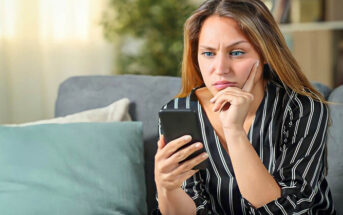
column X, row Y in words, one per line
column 179, row 122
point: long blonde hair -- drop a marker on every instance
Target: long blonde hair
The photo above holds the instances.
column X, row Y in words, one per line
column 258, row 24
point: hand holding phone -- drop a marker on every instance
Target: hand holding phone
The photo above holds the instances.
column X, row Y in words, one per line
column 179, row 122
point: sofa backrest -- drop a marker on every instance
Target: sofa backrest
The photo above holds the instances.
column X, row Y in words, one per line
column 335, row 148
column 323, row 89
column 147, row 94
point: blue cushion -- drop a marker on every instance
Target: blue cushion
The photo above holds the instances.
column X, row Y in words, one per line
column 77, row 168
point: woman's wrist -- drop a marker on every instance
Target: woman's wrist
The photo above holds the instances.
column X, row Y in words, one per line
column 234, row 136
column 234, row 129
column 163, row 192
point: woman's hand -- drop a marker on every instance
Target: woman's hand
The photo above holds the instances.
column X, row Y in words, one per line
column 234, row 103
column 169, row 174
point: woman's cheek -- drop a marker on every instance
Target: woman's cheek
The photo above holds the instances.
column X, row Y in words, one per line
column 243, row 69
column 205, row 69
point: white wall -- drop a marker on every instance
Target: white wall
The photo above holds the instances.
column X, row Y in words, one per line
column 42, row 43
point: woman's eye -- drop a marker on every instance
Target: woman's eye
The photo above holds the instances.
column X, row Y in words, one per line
column 237, row 53
column 208, row 54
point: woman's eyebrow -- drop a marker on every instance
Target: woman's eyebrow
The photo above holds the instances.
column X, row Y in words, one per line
column 231, row 45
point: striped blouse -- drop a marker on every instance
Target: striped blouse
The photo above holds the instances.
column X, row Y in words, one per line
column 288, row 133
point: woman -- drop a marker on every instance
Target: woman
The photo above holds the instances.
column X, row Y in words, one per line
column 263, row 123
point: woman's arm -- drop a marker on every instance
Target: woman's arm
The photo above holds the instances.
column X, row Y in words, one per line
column 299, row 166
column 255, row 183
column 175, row 202
column 253, row 179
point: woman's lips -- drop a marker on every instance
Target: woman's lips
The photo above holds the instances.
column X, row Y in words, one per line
column 223, row 85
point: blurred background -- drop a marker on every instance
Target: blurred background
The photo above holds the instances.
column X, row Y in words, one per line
column 44, row 42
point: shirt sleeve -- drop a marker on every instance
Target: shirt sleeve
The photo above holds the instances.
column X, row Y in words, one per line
column 300, row 165
column 195, row 188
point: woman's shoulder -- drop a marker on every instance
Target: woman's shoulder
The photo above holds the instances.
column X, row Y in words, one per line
column 308, row 104
column 295, row 102
column 302, row 105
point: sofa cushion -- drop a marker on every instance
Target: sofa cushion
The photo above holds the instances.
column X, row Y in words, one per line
column 76, row 168
column 117, row 111
column 335, row 147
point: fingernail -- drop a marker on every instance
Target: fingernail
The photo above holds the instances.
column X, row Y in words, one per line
column 205, row 155
column 188, row 137
column 198, row 145
column 212, row 100
column 258, row 63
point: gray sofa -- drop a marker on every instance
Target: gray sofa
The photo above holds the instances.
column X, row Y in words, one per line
column 147, row 95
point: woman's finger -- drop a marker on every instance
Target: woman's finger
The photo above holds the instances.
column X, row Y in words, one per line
column 174, row 145
column 161, row 143
column 222, row 101
column 230, row 90
column 173, row 161
column 249, row 84
column 232, row 98
column 184, row 153
column 189, row 164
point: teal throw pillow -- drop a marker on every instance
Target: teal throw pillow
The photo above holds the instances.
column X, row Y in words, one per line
column 72, row 169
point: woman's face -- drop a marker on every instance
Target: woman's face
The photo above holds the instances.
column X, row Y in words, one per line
column 225, row 55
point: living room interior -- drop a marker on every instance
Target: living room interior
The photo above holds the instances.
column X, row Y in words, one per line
column 79, row 105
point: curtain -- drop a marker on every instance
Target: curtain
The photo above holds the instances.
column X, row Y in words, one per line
column 42, row 43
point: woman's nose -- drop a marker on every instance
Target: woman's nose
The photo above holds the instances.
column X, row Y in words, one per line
column 222, row 65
